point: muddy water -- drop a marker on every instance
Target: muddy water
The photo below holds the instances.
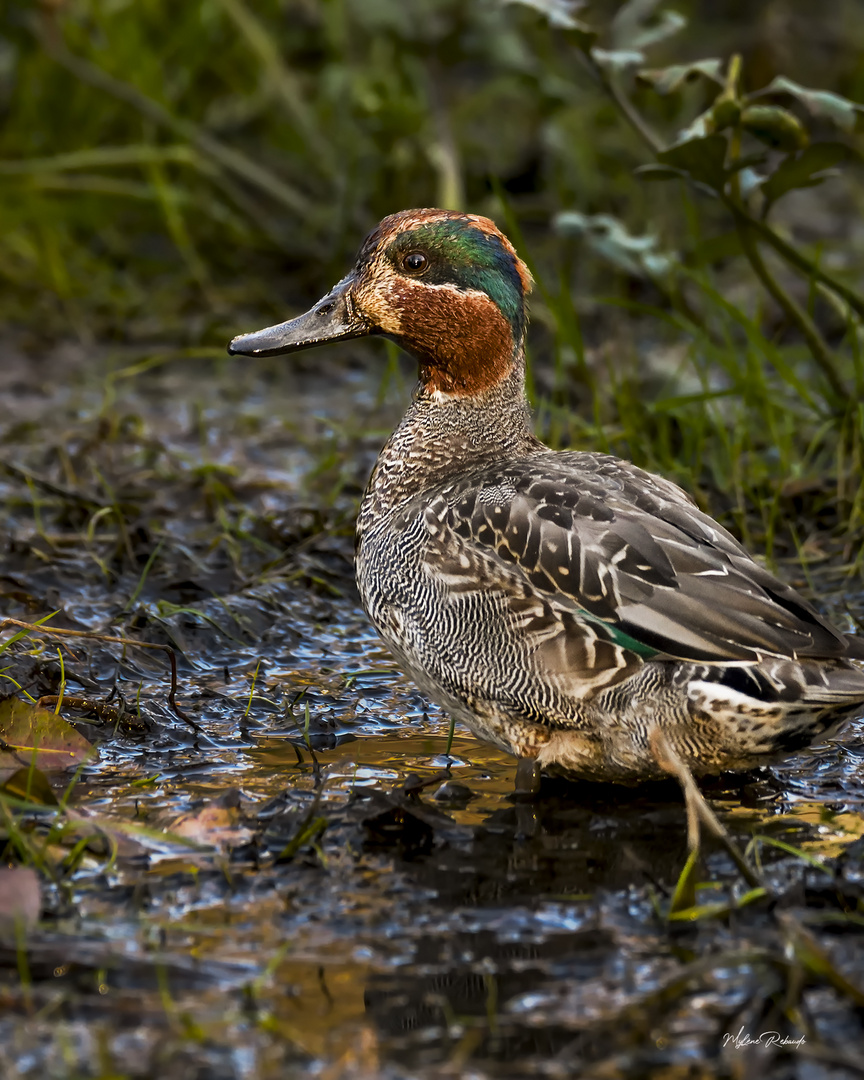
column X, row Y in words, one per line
column 308, row 882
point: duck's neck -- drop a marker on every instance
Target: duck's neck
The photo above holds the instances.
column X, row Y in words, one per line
column 443, row 436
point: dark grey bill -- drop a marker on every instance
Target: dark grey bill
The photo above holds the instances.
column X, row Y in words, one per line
column 334, row 318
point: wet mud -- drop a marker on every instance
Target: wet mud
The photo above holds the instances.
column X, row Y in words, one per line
column 306, row 876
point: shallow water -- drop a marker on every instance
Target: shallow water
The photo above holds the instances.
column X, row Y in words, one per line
column 310, row 884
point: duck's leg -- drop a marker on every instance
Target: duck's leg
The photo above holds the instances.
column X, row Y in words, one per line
column 527, row 776
column 699, row 813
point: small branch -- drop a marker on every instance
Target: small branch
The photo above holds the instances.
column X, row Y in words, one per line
column 625, row 106
column 793, row 311
column 784, row 249
column 89, row 634
column 633, row 118
column 795, row 258
column 698, row 810
column 112, row 714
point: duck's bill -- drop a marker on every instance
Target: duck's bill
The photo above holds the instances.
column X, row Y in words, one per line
column 333, row 318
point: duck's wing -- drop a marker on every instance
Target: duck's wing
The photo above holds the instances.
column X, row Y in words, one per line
column 607, row 547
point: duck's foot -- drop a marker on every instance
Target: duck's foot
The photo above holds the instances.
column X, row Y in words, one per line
column 527, row 777
column 699, row 813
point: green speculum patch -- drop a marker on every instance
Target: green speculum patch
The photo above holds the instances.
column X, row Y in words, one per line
column 620, row 637
column 462, row 255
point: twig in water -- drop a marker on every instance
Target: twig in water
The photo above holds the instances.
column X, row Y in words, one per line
column 92, row 636
column 698, row 811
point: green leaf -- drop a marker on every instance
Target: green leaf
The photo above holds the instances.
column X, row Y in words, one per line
column 747, row 161
column 305, row 834
column 659, row 172
column 684, row 896
column 822, row 103
column 582, row 36
column 560, row 14
column 806, row 169
column 715, row 909
column 702, row 160
column 640, row 256
column 790, row 849
column 816, row 960
column 776, row 127
column 700, row 127
column 636, row 26
column 39, row 737
column 669, row 80
column 725, row 112
column 31, row 786
column 618, row 60
column 27, row 630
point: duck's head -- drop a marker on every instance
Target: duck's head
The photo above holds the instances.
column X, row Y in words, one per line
column 449, row 288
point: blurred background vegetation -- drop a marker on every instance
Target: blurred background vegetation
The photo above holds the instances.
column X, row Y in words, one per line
column 176, row 173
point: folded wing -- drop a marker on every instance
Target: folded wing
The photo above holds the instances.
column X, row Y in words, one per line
column 605, row 558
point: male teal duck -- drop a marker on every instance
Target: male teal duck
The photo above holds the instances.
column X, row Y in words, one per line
column 567, row 606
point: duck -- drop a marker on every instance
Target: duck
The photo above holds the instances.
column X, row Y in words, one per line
column 576, row 611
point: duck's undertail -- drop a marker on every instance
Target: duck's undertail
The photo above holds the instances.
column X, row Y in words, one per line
column 717, row 718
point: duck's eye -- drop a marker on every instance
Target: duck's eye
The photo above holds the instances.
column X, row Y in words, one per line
column 415, row 262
